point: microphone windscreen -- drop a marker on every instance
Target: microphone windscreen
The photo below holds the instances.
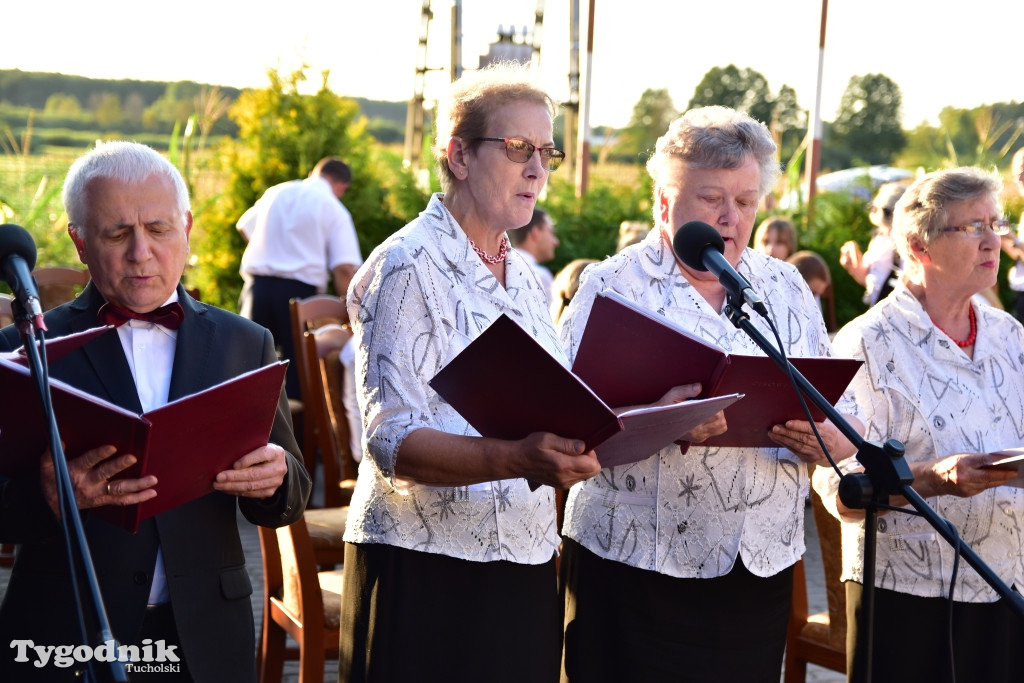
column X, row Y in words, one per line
column 15, row 239
column 691, row 240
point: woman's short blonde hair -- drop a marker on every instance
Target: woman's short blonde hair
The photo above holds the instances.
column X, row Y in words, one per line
column 923, row 210
column 466, row 109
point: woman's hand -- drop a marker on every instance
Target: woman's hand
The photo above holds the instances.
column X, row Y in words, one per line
column 963, row 475
column 554, row 460
column 852, row 259
column 798, row 437
column 713, row 426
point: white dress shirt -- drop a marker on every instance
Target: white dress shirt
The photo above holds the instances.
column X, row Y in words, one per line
column 149, row 349
column 298, row 230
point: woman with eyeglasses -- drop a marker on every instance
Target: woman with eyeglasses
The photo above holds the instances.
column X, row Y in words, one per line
column 944, row 375
column 449, row 564
column 876, row 267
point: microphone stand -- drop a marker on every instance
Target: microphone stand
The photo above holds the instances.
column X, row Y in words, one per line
column 71, row 522
column 885, row 473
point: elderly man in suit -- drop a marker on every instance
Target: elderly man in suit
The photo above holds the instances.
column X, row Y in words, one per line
column 181, row 578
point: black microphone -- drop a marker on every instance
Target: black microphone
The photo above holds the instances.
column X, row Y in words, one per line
column 17, row 259
column 702, row 248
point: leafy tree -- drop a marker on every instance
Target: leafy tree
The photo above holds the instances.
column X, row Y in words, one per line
column 651, row 115
column 60, row 104
column 743, row 89
column 588, row 226
column 176, row 104
column 106, row 107
column 983, row 136
column 281, row 135
column 867, row 126
column 789, row 122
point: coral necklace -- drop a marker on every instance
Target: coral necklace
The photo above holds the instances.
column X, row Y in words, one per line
column 493, row 260
column 970, row 339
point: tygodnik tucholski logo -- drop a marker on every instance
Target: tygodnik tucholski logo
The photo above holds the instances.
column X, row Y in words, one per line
column 151, row 657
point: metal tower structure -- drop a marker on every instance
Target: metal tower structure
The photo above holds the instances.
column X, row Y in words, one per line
column 415, row 114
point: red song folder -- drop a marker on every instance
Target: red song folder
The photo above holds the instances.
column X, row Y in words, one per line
column 629, row 355
column 534, row 392
column 184, row 443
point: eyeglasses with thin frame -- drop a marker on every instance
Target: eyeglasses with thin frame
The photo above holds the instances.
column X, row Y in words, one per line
column 520, row 151
column 999, row 226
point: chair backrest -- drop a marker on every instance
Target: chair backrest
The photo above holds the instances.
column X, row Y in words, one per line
column 6, row 310
column 319, row 336
column 818, row 638
column 59, row 284
column 830, row 539
column 294, row 604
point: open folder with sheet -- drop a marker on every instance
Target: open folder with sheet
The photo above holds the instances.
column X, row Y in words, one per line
column 185, row 443
column 536, row 393
column 629, row 355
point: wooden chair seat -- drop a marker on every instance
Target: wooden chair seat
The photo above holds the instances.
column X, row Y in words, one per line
column 326, row 528
column 330, row 587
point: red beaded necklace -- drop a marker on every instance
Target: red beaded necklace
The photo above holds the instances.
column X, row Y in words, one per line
column 493, row 260
column 971, row 338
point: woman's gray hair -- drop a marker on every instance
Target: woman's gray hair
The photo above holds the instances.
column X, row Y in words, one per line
column 713, row 138
column 923, row 210
column 127, row 162
column 466, row 109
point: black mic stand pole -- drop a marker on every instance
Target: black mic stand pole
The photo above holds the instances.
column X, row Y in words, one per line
column 71, row 521
column 885, row 473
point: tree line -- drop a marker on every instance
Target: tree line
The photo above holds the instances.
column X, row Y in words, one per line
column 278, row 133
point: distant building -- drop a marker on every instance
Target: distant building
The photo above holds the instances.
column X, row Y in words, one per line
column 508, row 48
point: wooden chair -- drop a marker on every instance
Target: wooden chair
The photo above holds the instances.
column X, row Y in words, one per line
column 818, row 638
column 6, row 318
column 6, row 310
column 298, row 601
column 319, row 336
column 59, row 284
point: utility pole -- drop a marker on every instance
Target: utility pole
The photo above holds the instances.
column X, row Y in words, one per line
column 538, row 31
column 814, row 152
column 572, row 107
column 583, row 163
column 456, row 64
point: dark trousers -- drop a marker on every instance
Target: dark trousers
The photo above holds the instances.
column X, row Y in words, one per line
column 912, row 638
column 628, row 624
column 264, row 300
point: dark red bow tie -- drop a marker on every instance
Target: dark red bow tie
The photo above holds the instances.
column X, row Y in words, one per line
column 170, row 316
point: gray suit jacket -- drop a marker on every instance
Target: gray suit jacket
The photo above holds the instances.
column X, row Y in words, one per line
column 205, row 566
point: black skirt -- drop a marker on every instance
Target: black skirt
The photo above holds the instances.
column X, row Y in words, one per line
column 415, row 616
column 912, row 639
column 629, row 624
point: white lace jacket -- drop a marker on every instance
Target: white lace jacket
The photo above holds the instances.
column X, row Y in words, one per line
column 419, row 299
column 919, row 388
column 691, row 515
